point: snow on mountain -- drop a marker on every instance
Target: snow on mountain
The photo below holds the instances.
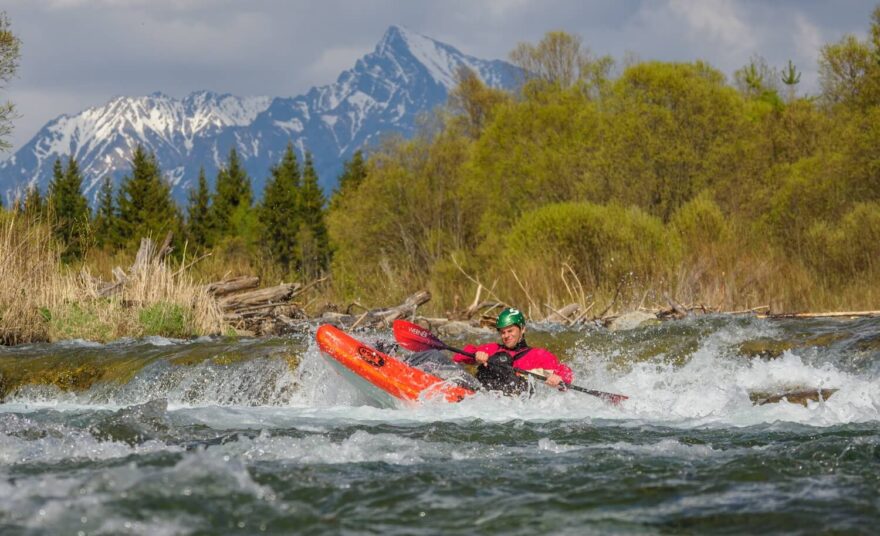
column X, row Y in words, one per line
column 405, row 75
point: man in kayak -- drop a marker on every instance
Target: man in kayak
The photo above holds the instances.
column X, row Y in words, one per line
column 497, row 362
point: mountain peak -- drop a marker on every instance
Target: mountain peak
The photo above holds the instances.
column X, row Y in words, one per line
column 439, row 59
column 407, row 74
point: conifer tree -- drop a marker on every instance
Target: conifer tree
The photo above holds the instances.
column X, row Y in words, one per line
column 33, row 205
column 312, row 237
column 353, row 174
column 145, row 204
column 233, row 193
column 105, row 224
column 791, row 77
column 198, row 213
column 279, row 211
column 68, row 208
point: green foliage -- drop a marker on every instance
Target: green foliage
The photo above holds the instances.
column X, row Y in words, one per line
column 165, row 319
column 848, row 247
column 602, row 243
column 76, row 320
column 473, row 102
column 233, row 191
column 353, row 174
column 33, row 205
column 700, row 224
column 106, row 222
column 198, row 213
column 145, row 205
column 534, row 152
column 849, row 74
column 69, row 209
column 10, row 51
column 673, row 130
column 280, row 213
column 312, row 239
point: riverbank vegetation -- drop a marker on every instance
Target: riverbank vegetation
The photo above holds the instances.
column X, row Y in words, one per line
column 604, row 184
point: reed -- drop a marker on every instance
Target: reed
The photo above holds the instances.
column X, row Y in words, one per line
column 43, row 299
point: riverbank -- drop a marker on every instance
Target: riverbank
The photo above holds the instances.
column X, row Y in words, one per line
column 45, row 300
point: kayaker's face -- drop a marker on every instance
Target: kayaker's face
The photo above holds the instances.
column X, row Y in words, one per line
column 510, row 335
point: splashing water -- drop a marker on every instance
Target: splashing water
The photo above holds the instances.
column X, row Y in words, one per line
column 215, row 436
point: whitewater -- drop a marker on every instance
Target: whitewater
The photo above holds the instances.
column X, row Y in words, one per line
column 252, row 436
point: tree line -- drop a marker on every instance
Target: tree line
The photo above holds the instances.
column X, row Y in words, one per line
column 286, row 225
column 590, row 181
column 650, row 176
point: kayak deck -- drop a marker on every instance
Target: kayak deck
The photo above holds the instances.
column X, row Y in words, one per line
column 382, row 375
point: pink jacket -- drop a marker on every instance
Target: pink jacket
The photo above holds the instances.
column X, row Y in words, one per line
column 536, row 358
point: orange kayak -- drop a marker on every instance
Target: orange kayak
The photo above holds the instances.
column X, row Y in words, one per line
column 381, row 376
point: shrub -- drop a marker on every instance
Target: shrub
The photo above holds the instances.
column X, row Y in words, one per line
column 166, row 319
column 602, row 243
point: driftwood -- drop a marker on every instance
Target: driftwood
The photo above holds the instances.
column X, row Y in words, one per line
column 264, row 311
column 379, row 318
column 232, row 285
column 835, row 314
column 148, row 254
column 794, row 397
column 276, row 295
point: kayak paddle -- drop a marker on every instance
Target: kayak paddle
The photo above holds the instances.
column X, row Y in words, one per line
column 416, row 338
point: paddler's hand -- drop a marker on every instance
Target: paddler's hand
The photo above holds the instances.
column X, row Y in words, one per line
column 553, row 380
column 481, row 357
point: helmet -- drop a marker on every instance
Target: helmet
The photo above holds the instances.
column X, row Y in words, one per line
column 509, row 317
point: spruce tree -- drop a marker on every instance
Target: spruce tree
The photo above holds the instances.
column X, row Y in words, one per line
column 145, row 204
column 198, row 223
column 312, row 237
column 105, row 224
column 233, row 193
column 33, row 205
column 279, row 211
column 353, row 174
column 69, row 209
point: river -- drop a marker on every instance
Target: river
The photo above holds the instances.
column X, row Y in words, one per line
column 216, row 436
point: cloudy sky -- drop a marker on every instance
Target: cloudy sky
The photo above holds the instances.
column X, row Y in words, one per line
column 81, row 53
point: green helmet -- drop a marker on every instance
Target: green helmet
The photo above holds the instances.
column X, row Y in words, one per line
column 509, row 317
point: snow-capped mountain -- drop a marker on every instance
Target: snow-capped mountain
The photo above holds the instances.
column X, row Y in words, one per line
column 385, row 91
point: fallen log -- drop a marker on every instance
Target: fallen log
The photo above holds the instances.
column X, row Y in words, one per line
column 272, row 295
column 834, row 314
column 232, row 285
column 562, row 315
column 801, row 397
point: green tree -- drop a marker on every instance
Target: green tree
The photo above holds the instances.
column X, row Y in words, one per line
column 671, row 131
column 68, row 208
column 791, row 77
column 556, row 59
column 279, row 212
column 198, row 213
column 145, row 205
column 233, row 195
column 354, row 172
column 10, row 47
column 34, row 204
column 312, row 236
column 105, row 223
column 473, row 102
column 848, row 74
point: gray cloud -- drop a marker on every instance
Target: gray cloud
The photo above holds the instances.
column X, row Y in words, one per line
column 80, row 53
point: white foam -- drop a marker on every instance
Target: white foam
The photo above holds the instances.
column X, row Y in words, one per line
column 61, row 443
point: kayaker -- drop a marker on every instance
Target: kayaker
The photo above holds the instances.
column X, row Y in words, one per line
column 498, row 361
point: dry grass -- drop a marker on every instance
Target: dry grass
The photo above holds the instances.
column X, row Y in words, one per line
column 43, row 300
